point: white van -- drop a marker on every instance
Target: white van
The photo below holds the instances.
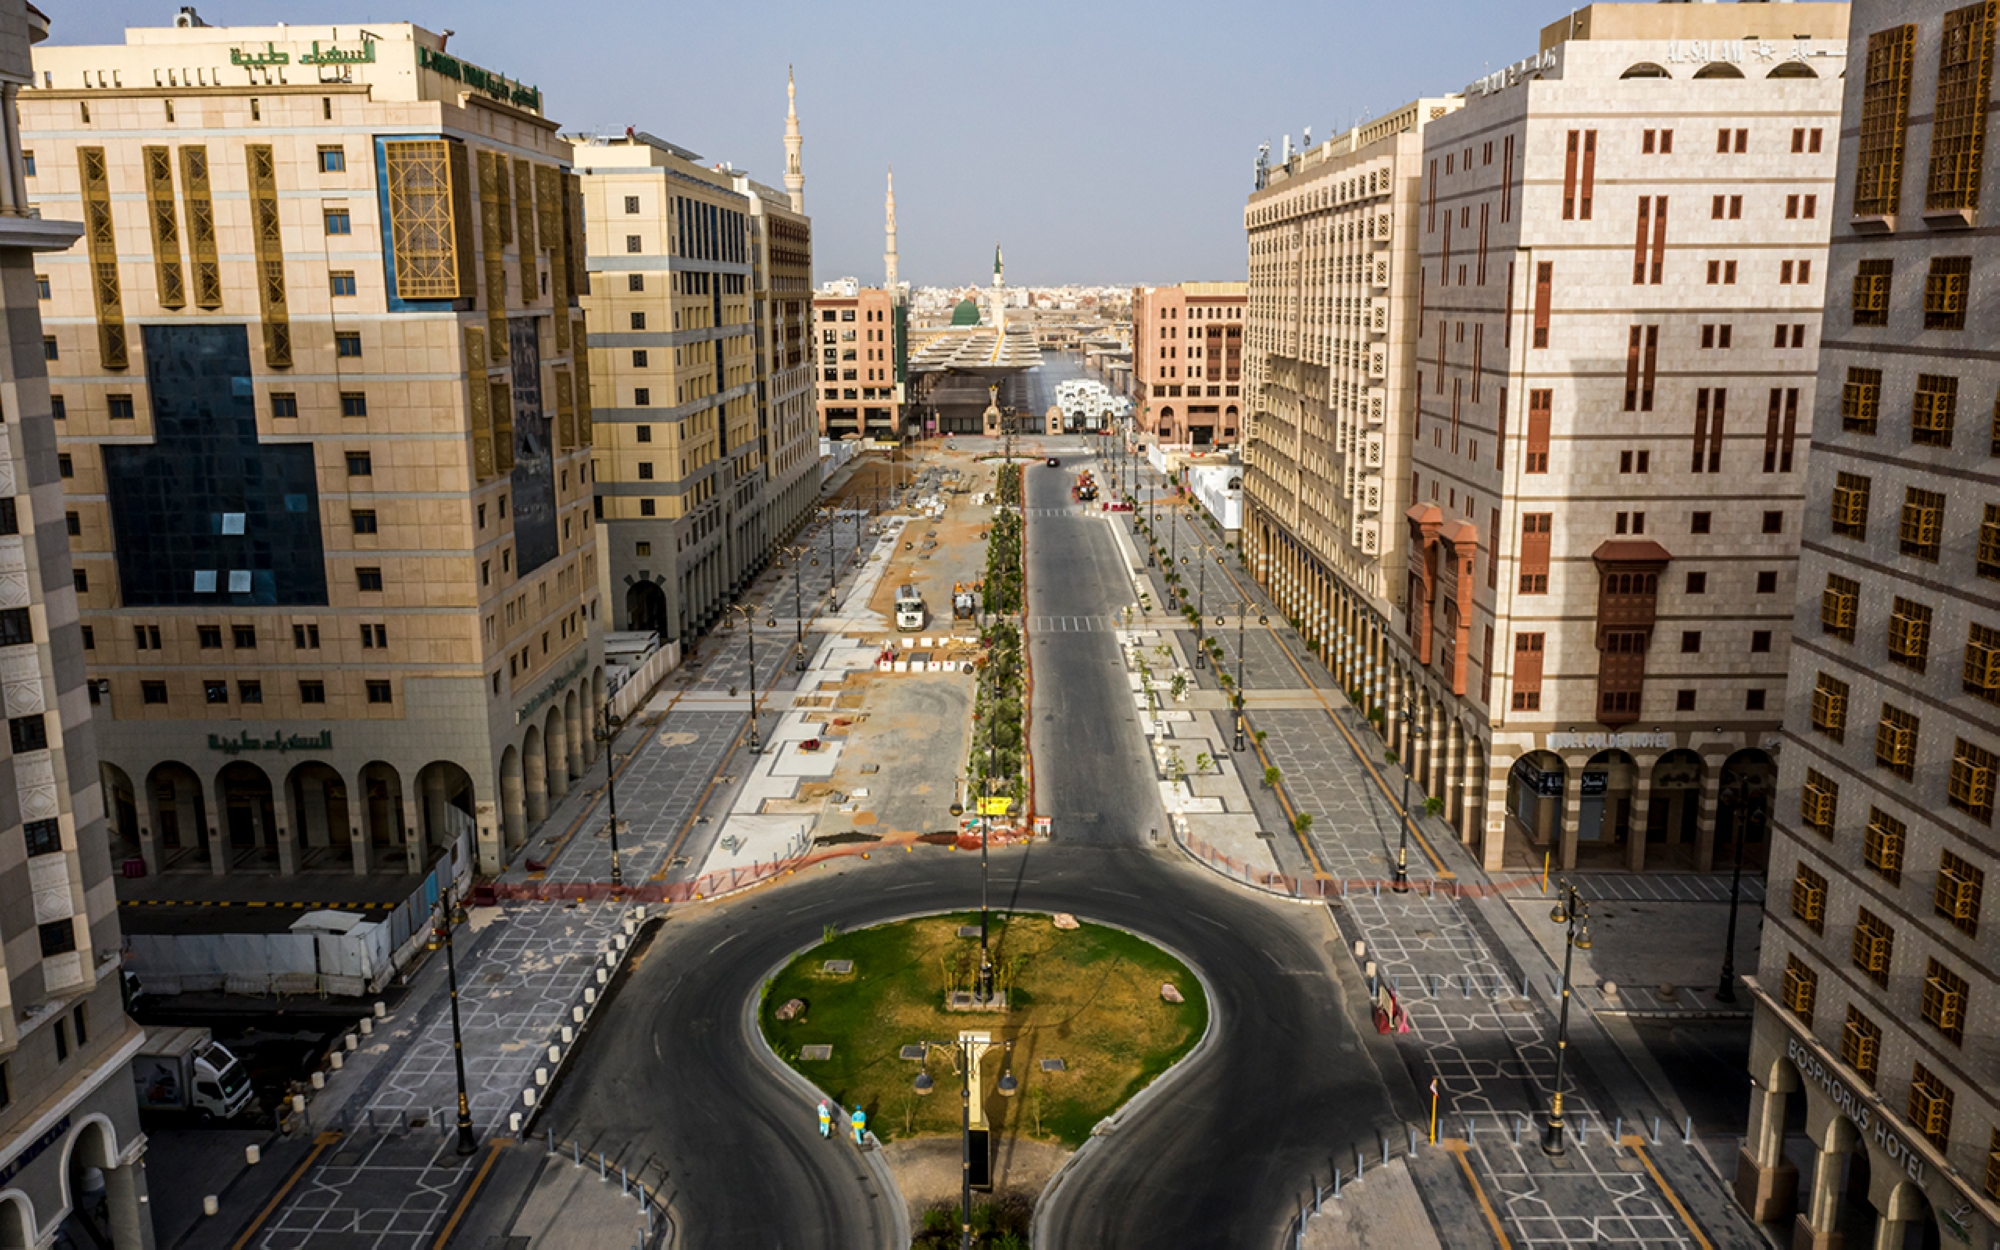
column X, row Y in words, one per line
column 909, row 609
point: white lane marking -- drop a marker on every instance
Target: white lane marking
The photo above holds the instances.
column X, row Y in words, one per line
column 724, row 942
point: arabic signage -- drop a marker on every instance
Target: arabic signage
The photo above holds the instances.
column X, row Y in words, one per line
column 281, row 743
column 1736, row 51
column 1610, row 742
column 499, row 86
column 33, row 1150
column 327, row 55
column 550, row 691
column 1520, row 71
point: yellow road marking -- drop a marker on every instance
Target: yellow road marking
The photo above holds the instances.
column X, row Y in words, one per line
column 465, row 1202
column 320, row 1145
column 1637, row 1145
column 1458, row 1149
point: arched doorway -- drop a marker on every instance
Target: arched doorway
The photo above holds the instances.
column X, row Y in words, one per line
column 1604, row 816
column 1673, row 808
column 179, row 815
column 573, row 733
column 535, row 766
column 1535, row 786
column 249, row 817
column 382, row 810
column 121, row 814
column 1904, row 1219
column 17, row 1223
column 646, row 607
column 1749, row 782
column 103, row 1197
column 316, row 802
column 513, row 799
column 448, row 806
column 555, row 741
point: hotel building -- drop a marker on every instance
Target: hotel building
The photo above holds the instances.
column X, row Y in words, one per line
column 1329, row 362
column 1622, row 243
column 324, row 442
column 1187, row 358
column 699, row 293
column 863, row 361
column 1877, row 992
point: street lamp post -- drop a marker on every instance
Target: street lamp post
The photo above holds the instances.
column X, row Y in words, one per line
column 749, row 614
column 1402, row 882
column 467, row 1141
column 961, row 1055
column 1572, row 911
column 985, row 821
column 608, row 735
column 798, row 557
column 1745, row 795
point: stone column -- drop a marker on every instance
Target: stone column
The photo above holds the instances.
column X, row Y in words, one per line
column 1817, row 1227
column 1572, row 804
column 288, row 850
column 1766, row 1184
column 357, row 824
column 313, row 814
column 414, row 841
column 218, row 829
column 1709, row 797
column 126, row 1200
column 1642, row 798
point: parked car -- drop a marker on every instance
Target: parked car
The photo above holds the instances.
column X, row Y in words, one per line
column 1054, row 462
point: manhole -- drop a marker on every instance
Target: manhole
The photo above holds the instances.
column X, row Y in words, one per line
column 968, row 930
column 838, row 967
column 818, row 1050
column 1054, row 1065
column 914, row 1050
column 871, row 768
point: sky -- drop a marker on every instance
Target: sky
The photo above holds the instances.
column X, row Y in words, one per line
column 1097, row 141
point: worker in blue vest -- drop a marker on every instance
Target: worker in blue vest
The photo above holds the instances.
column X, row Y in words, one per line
column 825, row 1119
column 859, row 1122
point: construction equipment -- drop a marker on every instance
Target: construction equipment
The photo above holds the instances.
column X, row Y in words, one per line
column 965, row 600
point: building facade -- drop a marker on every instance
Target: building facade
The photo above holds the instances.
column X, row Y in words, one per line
column 705, row 431
column 324, row 442
column 66, row 1096
column 1329, row 362
column 1876, row 990
column 1187, row 358
column 863, row 361
column 1623, row 243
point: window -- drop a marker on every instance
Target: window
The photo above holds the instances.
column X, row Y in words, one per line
column 28, row 733
column 1885, row 116
column 638, row 321
column 1882, row 845
column 1920, row 531
column 1774, row 522
column 80, row 1018
column 28, row 164
column 1801, row 206
column 632, row 243
column 1871, row 292
column 1930, row 1105
column 1861, row 400
column 215, row 691
column 1944, row 1001
column 332, row 160
column 645, row 470
column 152, row 692
column 1944, row 292
column 244, row 636
column 1839, row 604
column 1635, row 461
column 44, row 837
column 1970, row 786
column 347, row 344
column 312, row 692
column 642, row 549
column 1959, row 886
column 65, row 467
column 305, row 637
column 353, row 404
column 1982, row 662
column 58, row 938
column 81, row 579
column 342, row 283
column 16, row 627
column 1809, row 898
column 363, row 520
column 374, row 637
column 1697, row 583
column 642, row 396
column 1716, row 336
column 1933, row 410
column 1874, row 945
column 1849, row 511
column 1800, row 988
column 1760, row 641
column 1534, row 554
column 638, row 359
column 121, row 407
column 1684, row 700
column 360, row 464
column 1861, row 1044
column 646, row 507
column 249, row 692
column 1896, row 741
column 57, row 409
column 1987, row 559
column 284, row 404
column 631, row 203
column 1910, row 634
column 644, row 432
column 1528, row 650
column 337, row 221
column 1699, row 522
column 210, row 636
column 368, row 579
column 1958, row 119
column 378, row 692
column 1690, row 642
column 1829, row 707
column 1819, row 800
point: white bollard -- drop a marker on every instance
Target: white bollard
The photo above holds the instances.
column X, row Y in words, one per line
column 611, row 957
column 350, row 1041
column 555, row 1054
column 576, row 1013
column 603, row 977
column 337, row 1060
column 620, row 941
column 589, row 996
column 514, row 1122
column 541, row 1077
column 367, row 1026
column 568, row 1035
column 381, row 1010
column 528, row 1097
column 209, row 1206
column 253, row 1154
column 298, row 1104
column 319, row 1080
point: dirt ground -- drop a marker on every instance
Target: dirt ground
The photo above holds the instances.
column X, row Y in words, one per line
column 927, row 1170
column 903, row 755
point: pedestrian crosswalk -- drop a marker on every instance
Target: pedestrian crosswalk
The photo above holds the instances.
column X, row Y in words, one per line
column 1071, row 624
column 1060, row 511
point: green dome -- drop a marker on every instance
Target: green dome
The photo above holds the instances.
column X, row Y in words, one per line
column 966, row 314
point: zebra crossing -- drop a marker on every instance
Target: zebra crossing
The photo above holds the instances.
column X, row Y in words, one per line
column 1071, row 624
column 1060, row 511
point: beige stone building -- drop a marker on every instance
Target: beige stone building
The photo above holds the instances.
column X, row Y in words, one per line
column 863, row 361
column 1187, row 361
column 1876, row 994
column 699, row 299
column 1623, row 249
column 323, row 440
column 1329, row 362
column 66, row 1095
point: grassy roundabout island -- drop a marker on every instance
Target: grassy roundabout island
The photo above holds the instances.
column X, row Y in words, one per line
column 1088, row 997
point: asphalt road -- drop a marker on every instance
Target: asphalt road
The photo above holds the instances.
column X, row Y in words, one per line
column 1216, row 1158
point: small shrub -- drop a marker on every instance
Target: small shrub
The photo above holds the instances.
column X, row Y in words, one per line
column 1434, row 805
column 1271, row 775
column 1303, row 822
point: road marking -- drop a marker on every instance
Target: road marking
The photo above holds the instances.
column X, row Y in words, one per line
column 1638, row 1147
column 724, row 942
column 1119, row 893
column 478, row 1179
column 1458, row 1148
column 1205, row 920
column 320, row 1145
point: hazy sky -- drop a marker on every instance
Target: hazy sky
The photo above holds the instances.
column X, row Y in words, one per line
column 1097, row 142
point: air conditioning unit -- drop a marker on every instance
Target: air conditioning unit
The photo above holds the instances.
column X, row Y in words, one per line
column 1836, row 610
column 1378, row 362
column 1378, row 316
column 1371, row 450
column 1378, row 405
column 1816, row 807
column 1850, row 506
column 1982, row 666
column 1381, row 227
column 1371, row 537
column 1379, row 271
column 1371, row 493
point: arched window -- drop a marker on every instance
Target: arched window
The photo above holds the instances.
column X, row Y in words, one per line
column 1718, row 69
column 1646, row 69
column 1793, row 69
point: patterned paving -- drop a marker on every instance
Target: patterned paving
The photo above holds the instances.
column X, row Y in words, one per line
column 386, row 1192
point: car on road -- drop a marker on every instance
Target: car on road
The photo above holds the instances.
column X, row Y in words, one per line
column 1055, row 462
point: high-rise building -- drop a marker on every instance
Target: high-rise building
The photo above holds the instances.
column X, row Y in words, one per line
column 67, row 1110
column 1623, row 250
column 324, row 442
column 706, row 455
column 863, row 343
column 1329, row 362
column 1187, row 357
column 1877, row 986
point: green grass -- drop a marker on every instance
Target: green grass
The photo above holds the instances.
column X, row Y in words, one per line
column 1089, row 996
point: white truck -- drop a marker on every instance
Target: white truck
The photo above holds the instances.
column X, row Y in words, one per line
column 910, row 615
column 188, row 1070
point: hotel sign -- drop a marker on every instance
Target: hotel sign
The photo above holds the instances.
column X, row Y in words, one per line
column 499, row 86
column 1737, row 51
column 247, row 741
column 1855, row 1108
column 1519, row 72
column 1610, row 742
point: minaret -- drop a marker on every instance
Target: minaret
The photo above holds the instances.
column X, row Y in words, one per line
column 889, row 256
column 795, row 177
column 999, row 292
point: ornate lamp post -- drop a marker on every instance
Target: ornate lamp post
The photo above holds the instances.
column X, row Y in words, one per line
column 1570, row 910
column 749, row 614
column 1744, row 794
column 450, row 916
column 798, row 557
column 607, row 733
column 1402, row 882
